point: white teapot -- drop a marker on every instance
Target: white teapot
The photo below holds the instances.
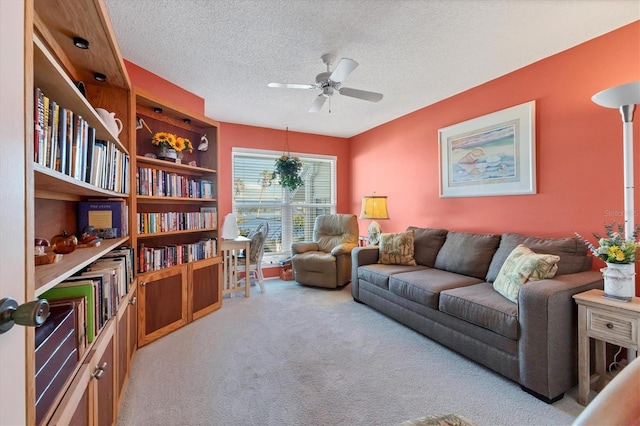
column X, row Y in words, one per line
column 113, row 124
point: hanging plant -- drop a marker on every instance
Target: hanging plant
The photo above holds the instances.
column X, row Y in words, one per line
column 288, row 172
column 288, row 168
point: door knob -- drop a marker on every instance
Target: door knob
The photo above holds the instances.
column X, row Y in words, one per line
column 32, row 314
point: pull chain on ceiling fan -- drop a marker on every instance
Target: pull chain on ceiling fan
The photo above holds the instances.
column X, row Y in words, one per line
column 330, row 82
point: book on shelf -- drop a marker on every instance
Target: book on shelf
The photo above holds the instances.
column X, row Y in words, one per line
column 74, row 289
column 104, row 214
column 104, row 282
column 126, row 253
column 119, row 267
column 209, row 217
column 38, row 134
column 79, row 305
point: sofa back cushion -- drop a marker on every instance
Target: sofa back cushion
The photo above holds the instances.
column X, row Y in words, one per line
column 467, row 253
column 572, row 252
column 427, row 243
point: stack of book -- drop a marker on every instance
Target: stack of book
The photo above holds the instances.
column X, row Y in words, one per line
column 64, row 142
column 161, row 183
column 156, row 258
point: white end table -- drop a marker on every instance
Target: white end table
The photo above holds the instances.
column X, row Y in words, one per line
column 607, row 321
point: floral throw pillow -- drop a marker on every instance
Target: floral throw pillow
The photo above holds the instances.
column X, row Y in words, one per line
column 523, row 265
column 396, row 249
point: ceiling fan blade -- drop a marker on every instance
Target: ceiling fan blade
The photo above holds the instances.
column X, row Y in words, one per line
column 292, row 86
column 343, row 69
column 317, row 104
column 361, row 94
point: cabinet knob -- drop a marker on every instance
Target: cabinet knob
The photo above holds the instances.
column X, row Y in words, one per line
column 99, row 372
column 609, row 325
column 143, row 284
column 133, row 300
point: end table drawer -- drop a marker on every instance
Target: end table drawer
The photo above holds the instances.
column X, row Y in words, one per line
column 618, row 327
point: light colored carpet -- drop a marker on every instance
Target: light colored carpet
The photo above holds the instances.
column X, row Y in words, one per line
column 306, row 356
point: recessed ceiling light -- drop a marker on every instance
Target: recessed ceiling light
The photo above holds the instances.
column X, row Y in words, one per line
column 157, row 110
column 100, row 77
column 80, row 43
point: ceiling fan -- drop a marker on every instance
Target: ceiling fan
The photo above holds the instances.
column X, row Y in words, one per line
column 329, row 82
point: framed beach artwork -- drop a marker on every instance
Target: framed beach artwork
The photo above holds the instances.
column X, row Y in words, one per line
column 494, row 154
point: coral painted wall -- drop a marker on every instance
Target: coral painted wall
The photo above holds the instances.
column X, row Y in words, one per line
column 579, row 149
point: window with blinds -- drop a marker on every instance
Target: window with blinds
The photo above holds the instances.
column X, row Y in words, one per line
column 258, row 197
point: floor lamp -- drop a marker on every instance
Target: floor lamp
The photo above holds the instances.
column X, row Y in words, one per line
column 624, row 97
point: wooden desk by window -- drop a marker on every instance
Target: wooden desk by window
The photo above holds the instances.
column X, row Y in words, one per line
column 230, row 249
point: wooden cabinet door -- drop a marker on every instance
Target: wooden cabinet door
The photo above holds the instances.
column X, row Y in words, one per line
column 127, row 340
column 89, row 400
column 132, row 332
column 162, row 303
column 206, row 290
column 105, row 412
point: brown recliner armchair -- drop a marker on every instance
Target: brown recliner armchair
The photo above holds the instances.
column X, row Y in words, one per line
column 326, row 261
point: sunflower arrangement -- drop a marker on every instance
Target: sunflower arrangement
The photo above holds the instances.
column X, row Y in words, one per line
column 613, row 247
column 183, row 145
column 170, row 141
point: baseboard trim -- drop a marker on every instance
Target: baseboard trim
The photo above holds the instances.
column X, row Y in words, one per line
column 542, row 397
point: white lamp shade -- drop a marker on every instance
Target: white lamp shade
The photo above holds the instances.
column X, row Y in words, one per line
column 230, row 227
column 374, row 207
column 615, row 97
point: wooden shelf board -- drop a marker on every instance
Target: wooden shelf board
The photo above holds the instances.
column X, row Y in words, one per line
column 175, row 167
column 149, row 100
column 48, row 276
column 49, row 182
column 152, row 199
column 164, row 234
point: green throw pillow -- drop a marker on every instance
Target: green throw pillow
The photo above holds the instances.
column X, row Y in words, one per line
column 522, row 266
column 397, row 249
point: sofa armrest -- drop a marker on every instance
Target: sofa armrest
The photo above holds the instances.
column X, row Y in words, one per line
column 547, row 345
column 361, row 256
column 344, row 248
column 304, row 246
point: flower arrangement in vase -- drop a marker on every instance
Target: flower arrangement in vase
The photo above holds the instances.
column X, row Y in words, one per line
column 620, row 256
column 171, row 146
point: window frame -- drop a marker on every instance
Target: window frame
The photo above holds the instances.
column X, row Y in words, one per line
column 286, row 199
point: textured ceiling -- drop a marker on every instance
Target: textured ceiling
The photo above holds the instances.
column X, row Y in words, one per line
column 415, row 52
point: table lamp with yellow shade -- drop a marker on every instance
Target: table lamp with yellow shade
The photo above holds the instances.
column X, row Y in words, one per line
column 374, row 207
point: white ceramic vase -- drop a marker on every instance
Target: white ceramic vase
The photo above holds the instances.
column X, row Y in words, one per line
column 619, row 280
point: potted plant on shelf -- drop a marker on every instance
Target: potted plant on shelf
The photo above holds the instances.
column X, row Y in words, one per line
column 620, row 256
column 171, row 146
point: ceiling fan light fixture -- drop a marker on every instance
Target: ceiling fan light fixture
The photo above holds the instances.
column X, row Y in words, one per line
column 331, row 81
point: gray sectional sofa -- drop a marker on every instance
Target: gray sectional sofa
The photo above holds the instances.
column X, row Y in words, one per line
column 449, row 297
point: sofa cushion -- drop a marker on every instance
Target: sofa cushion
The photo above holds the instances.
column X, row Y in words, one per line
column 523, row 265
column 378, row 274
column 468, row 254
column 424, row 286
column 427, row 243
column 480, row 305
column 396, row 249
column 572, row 252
